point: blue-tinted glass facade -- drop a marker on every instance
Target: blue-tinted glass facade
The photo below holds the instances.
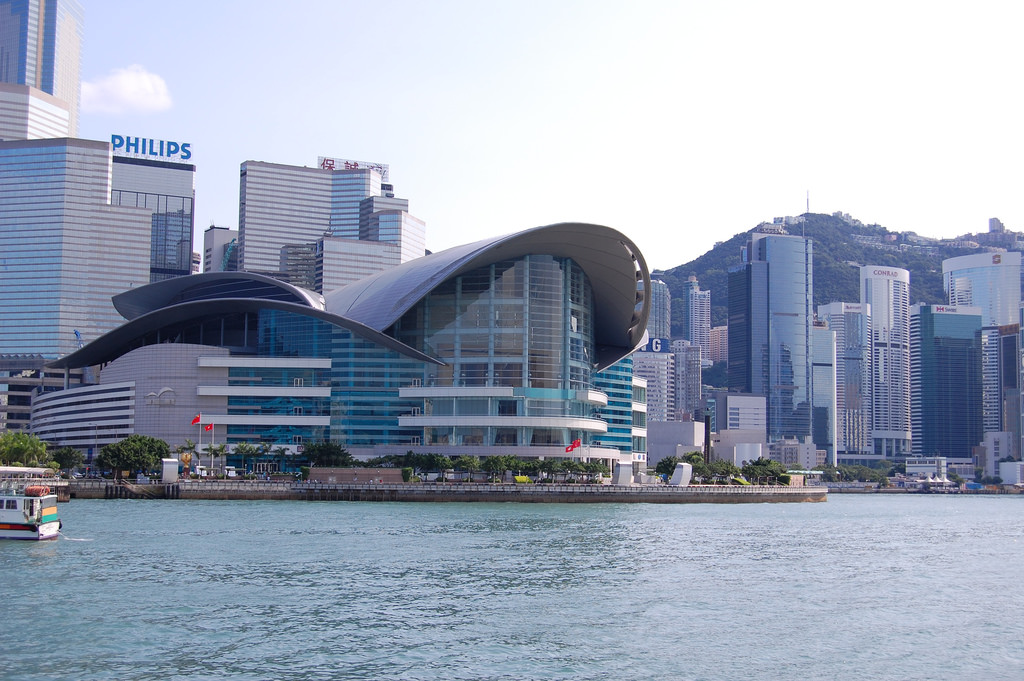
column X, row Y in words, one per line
column 946, row 383
column 770, row 315
column 40, row 46
column 617, row 382
column 525, row 325
column 365, row 403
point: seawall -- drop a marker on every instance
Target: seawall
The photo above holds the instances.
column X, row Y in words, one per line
column 447, row 492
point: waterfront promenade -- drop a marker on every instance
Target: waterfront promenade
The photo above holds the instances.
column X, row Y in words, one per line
column 445, row 492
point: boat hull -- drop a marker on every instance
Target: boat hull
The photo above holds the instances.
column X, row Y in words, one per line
column 32, row 532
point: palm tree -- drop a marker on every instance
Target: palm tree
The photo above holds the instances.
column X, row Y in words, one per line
column 281, row 452
column 246, row 449
column 215, row 451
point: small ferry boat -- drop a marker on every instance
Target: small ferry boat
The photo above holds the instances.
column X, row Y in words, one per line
column 28, row 505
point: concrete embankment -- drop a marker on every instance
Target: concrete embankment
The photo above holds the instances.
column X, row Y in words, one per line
column 480, row 492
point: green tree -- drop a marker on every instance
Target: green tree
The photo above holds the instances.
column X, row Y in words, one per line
column 215, row 452
column 68, row 458
column 16, row 446
column 550, row 467
column 595, row 468
column 572, row 468
column 469, row 464
column 134, row 453
column 667, row 466
column 438, row 463
column 765, row 470
column 246, row 450
column 723, row 471
column 497, row 465
column 700, row 469
column 328, row 454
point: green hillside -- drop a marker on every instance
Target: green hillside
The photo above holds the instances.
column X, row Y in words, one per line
column 837, row 259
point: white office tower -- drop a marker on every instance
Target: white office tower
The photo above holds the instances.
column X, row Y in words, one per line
column 887, row 291
column 697, row 316
column 688, row 384
column 992, row 282
column 851, row 323
column 30, row 114
column 66, row 250
column 659, row 323
column 325, row 226
column 656, row 363
column 220, row 249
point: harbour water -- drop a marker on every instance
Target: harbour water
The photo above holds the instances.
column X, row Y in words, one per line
column 860, row 587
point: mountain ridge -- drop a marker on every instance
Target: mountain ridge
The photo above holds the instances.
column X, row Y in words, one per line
column 841, row 246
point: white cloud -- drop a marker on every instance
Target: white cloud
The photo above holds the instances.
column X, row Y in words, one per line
column 129, row 90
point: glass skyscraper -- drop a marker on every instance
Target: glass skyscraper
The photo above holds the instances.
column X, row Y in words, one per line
column 992, row 283
column 946, row 381
column 167, row 190
column 40, row 47
column 770, row 316
column 65, row 250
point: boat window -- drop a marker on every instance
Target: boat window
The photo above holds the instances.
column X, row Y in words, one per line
column 12, row 504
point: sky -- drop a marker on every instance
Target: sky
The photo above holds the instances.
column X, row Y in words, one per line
column 678, row 123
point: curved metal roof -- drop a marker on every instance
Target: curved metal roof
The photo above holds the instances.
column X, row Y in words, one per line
column 611, row 261
column 617, row 272
column 210, row 286
column 112, row 345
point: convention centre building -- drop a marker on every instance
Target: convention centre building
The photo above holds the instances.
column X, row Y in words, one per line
column 518, row 344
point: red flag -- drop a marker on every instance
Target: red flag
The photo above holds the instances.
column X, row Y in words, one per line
column 196, row 419
column 569, row 448
column 575, row 443
column 208, row 426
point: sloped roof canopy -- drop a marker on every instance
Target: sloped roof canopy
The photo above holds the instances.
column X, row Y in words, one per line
column 124, row 338
column 612, row 262
column 617, row 272
column 210, row 286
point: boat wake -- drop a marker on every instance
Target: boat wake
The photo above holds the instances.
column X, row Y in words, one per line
column 67, row 538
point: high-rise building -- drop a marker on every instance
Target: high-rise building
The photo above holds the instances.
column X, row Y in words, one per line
column 719, row 344
column 823, row 384
column 659, row 324
column 946, row 381
column 655, row 362
column 696, row 316
column 166, row 188
column 770, row 316
column 323, row 227
column 887, row 291
column 66, row 252
column 40, row 48
column 687, row 386
column 991, row 282
column 851, row 323
column 220, row 249
column 30, row 114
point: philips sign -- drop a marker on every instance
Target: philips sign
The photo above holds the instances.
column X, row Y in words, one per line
column 143, row 147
